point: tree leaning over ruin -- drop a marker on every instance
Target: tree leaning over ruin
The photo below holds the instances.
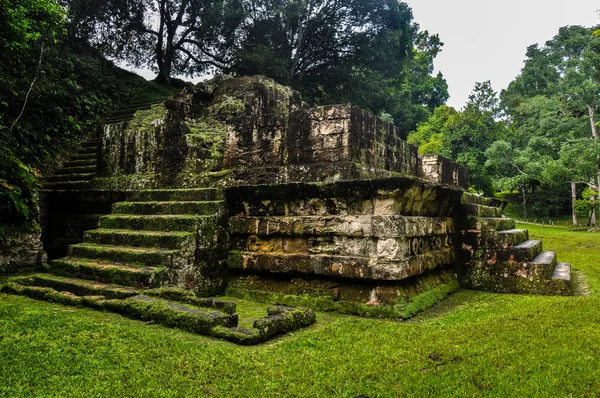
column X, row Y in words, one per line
column 171, row 37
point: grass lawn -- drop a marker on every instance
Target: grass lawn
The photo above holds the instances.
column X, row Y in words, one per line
column 472, row 344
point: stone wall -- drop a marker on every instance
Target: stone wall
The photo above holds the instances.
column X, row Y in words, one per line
column 444, row 171
column 21, row 251
column 379, row 234
column 253, row 131
column 342, row 136
column 65, row 215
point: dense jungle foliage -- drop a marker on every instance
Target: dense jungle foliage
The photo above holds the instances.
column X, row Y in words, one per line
column 53, row 90
column 537, row 140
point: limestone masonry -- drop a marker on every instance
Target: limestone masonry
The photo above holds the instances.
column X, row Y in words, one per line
column 238, row 188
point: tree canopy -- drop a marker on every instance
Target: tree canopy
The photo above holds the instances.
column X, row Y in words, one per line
column 368, row 53
column 540, row 135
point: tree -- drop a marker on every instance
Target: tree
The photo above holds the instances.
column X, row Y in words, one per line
column 331, row 50
column 416, row 98
column 522, row 169
column 30, row 28
column 182, row 36
column 464, row 136
column 556, row 96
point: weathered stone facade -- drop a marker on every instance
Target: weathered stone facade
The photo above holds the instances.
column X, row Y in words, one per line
column 242, row 188
column 21, row 251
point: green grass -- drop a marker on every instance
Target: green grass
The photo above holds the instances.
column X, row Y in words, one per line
column 472, row 344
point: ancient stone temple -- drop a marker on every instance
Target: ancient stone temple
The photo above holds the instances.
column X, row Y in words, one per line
column 238, row 189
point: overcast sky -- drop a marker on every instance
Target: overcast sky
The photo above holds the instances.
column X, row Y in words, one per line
column 487, row 39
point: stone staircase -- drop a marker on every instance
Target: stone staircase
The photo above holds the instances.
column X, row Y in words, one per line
column 500, row 258
column 125, row 113
column 78, row 171
column 157, row 238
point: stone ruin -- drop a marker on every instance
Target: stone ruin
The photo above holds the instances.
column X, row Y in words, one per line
column 236, row 189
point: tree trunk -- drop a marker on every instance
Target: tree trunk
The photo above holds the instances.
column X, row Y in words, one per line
column 160, row 57
column 593, row 216
column 592, row 115
column 524, row 204
column 573, row 199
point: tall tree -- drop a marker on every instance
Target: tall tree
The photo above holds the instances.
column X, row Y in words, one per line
column 557, row 94
column 171, row 37
column 331, row 50
column 465, row 135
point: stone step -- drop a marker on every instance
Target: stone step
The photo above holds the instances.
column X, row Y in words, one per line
column 78, row 287
column 198, row 208
column 81, row 163
column 150, row 257
column 562, row 272
column 71, row 177
column 545, row 261
column 512, row 237
column 165, row 195
column 107, row 272
column 66, row 185
column 495, row 223
column 84, row 156
column 158, row 239
column 168, row 222
column 86, row 150
column 470, row 198
column 78, row 170
column 90, row 143
column 175, row 314
column 167, row 313
column 481, row 210
column 526, row 251
column 119, row 119
column 53, row 296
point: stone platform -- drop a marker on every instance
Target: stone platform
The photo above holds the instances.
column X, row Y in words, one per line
column 238, row 187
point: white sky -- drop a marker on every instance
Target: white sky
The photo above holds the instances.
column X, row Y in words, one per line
column 487, row 39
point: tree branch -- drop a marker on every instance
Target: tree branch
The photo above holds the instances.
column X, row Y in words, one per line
column 37, row 72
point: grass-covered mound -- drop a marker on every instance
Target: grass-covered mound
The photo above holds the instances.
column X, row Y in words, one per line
column 473, row 344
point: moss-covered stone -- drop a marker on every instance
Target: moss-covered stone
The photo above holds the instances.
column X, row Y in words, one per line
column 130, row 255
column 198, row 208
column 188, row 296
column 399, row 300
column 165, row 222
column 123, row 237
column 103, row 271
column 78, row 287
column 182, row 316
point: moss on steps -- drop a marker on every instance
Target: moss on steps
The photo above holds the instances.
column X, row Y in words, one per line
column 78, row 287
column 107, row 272
column 165, row 195
column 71, row 177
column 87, row 169
column 491, row 223
column 187, row 296
column 171, row 314
column 280, row 320
column 166, row 222
column 404, row 309
column 81, row 163
column 168, row 307
column 158, row 239
column 198, row 208
column 123, row 254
